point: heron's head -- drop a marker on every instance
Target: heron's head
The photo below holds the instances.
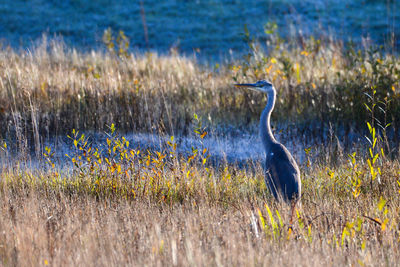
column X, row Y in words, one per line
column 261, row 86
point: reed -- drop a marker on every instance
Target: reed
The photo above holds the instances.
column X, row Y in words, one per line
column 53, row 89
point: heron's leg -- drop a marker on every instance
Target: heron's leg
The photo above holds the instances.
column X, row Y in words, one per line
column 292, row 209
column 271, row 186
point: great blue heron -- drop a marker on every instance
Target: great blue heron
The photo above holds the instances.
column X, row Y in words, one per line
column 282, row 174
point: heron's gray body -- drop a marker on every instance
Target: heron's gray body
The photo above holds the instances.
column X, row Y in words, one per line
column 282, row 175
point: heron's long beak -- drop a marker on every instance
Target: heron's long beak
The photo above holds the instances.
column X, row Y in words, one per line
column 251, row 86
column 245, row 84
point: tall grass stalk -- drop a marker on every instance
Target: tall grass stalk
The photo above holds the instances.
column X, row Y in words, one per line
column 319, row 83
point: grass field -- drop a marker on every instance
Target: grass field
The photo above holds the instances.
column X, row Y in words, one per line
column 123, row 206
column 179, row 212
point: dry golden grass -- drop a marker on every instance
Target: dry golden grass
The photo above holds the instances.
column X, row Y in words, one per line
column 125, row 207
column 129, row 208
column 53, row 89
column 60, row 89
column 42, row 223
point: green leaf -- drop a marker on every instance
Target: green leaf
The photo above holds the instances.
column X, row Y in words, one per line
column 279, row 218
column 369, row 126
column 381, row 203
column 375, row 158
column 261, row 219
column 344, row 234
column 369, row 164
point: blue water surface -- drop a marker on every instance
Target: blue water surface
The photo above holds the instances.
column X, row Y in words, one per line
column 210, row 28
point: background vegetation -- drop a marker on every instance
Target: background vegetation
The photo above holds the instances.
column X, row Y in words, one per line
column 117, row 204
column 321, row 84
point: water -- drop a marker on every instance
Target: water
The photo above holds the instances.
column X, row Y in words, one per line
column 222, row 148
column 210, row 28
column 225, row 145
column 239, row 149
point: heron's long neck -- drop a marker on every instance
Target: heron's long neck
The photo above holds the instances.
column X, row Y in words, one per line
column 265, row 127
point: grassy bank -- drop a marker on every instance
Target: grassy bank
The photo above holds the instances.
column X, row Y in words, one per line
column 130, row 207
column 60, row 229
column 53, row 89
column 156, row 215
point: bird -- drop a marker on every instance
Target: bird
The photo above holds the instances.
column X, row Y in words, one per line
column 282, row 175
